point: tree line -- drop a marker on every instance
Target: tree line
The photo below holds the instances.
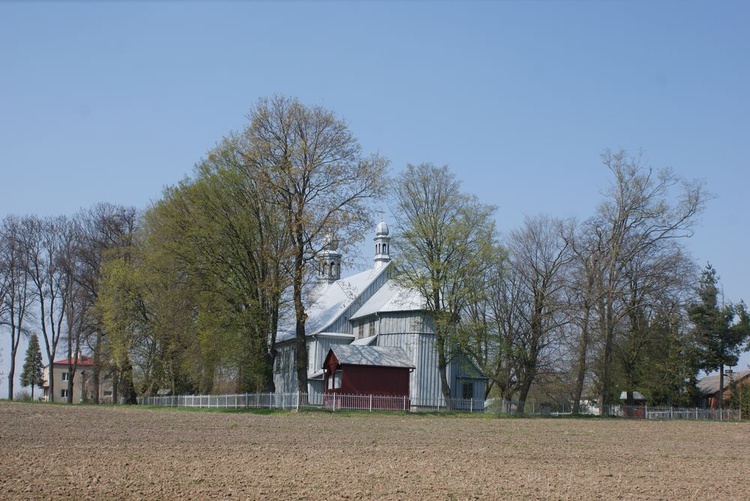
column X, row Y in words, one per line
column 187, row 294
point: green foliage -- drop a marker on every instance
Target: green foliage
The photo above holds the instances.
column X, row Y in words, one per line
column 720, row 331
column 447, row 248
column 33, row 365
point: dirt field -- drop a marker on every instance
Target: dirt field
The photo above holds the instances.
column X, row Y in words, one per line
column 80, row 452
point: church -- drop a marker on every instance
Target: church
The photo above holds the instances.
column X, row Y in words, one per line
column 384, row 327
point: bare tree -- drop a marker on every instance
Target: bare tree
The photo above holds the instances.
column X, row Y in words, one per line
column 639, row 214
column 538, row 257
column 313, row 170
column 44, row 244
column 18, row 295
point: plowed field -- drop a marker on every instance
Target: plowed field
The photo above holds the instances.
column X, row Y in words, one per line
column 81, row 452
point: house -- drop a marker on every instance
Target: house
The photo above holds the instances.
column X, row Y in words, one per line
column 60, row 371
column 370, row 311
column 709, row 387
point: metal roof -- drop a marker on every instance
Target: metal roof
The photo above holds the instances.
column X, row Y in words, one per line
column 329, row 301
column 365, row 341
column 391, row 297
column 380, row 356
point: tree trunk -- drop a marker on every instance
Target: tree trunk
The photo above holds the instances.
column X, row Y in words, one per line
column 443, row 371
column 581, row 369
column 301, row 317
column 609, row 334
column 523, row 394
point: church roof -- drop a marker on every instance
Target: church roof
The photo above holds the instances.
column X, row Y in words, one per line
column 391, row 297
column 380, row 356
column 331, row 301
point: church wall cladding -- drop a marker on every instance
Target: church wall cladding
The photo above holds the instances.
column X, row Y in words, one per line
column 425, row 379
column 284, row 375
column 404, row 321
column 317, row 349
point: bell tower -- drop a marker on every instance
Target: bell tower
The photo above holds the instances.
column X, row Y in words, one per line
column 329, row 261
column 382, row 245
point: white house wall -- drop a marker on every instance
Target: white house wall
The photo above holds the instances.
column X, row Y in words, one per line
column 408, row 321
column 425, row 379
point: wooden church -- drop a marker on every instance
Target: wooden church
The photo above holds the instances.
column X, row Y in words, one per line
column 366, row 334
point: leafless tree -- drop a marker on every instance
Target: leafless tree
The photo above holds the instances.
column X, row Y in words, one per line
column 18, row 295
column 640, row 214
column 538, row 258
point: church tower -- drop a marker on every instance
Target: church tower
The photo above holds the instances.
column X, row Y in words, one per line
column 329, row 261
column 382, row 245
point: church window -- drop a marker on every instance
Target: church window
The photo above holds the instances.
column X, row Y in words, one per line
column 467, row 390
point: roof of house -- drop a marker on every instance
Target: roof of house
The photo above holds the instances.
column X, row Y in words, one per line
column 331, row 300
column 380, row 356
column 710, row 384
column 365, row 341
column 391, row 297
column 637, row 395
column 82, row 361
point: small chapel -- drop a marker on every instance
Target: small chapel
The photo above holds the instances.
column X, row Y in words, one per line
column 379, row 334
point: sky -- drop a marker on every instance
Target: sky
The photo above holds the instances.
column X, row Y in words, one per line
column 113, row 101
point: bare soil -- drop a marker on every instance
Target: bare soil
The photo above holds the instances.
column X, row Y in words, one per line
column 83, row 452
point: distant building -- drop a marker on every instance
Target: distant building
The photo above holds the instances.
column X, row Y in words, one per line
column 710, row 391
column 83, row 379
column 372, row 312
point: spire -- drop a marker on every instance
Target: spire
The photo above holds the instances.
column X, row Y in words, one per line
column 382, row 245
column 329, row 261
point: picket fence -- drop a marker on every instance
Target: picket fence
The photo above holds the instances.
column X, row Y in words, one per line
column 338, row 402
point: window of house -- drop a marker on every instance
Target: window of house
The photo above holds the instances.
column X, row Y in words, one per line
column 371, row 328
column 467, row 390
column 337, row 380
column 65, row 376
column 361, row 331
column 63, row 393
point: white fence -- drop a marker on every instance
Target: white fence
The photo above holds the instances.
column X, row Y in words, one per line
column 338, row 402
column 695, row 414
column 296, row 401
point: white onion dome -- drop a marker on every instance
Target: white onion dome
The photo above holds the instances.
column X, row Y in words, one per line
column 381, row 230
column 330, row 243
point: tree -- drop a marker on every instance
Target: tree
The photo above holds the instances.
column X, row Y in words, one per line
column 447, row 244
column 32, row 366
column 45, row 242
column 656, row 286
column 313, row 170
column 18, row 296
column 538, row 258
column 101, row 233
column 720, row 331
column 641, row 218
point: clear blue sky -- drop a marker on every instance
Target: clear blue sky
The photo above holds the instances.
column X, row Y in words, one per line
column 112, row 101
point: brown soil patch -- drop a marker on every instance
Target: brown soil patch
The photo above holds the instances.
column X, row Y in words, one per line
column 80, row 452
